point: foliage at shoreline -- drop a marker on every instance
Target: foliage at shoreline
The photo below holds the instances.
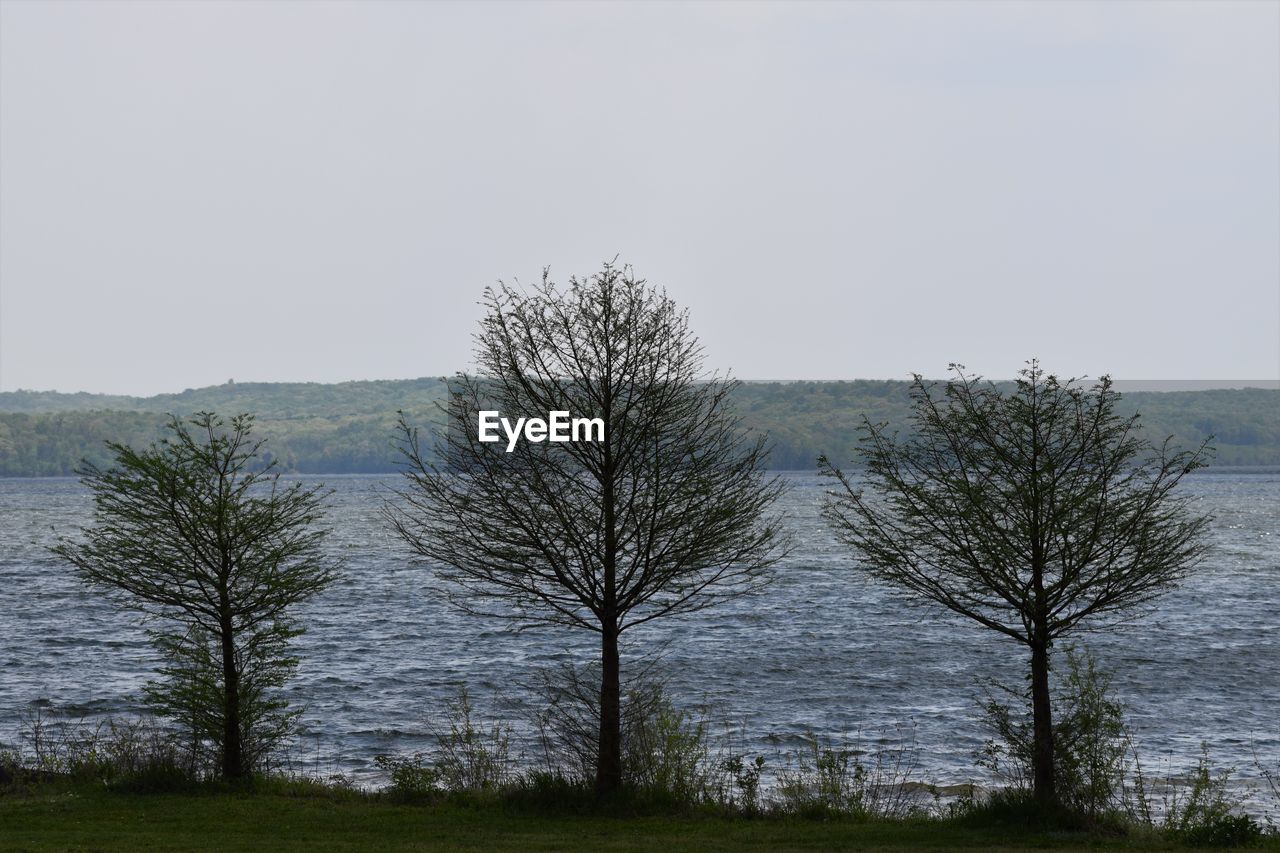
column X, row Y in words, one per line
column 683, row 782
column 348, row 428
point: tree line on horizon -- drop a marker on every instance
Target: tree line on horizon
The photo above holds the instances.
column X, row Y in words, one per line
column 1034, row 509
column 344, row 428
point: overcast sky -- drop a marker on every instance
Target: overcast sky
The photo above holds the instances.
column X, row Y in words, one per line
column 191, row 192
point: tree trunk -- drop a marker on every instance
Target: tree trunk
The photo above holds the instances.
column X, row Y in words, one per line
column 232, row 748
column 1042, row 726
column 609, row 760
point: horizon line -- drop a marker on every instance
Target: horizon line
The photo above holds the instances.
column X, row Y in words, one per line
column 1119, row 384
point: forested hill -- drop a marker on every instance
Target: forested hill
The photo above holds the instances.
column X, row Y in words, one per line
column 348, row 427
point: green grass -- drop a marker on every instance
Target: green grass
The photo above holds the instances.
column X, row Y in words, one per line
column 102, row 820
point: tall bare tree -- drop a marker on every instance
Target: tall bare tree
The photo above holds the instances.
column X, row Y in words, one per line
column 195, row 531
column 1032, row 512
column 668, row 514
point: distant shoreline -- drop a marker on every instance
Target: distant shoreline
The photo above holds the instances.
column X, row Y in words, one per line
column 348, row 428
column 1122, row 385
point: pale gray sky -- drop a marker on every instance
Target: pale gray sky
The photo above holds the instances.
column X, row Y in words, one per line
column 320, row 191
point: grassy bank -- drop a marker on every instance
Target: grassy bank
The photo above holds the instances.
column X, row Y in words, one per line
column 97, row 819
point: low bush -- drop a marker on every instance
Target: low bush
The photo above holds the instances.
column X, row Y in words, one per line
column 137, row 754
column 1198, row 810
column 1101, row 783
column 667, row 754
column 849, row 781
column 1090, row 741
column 741, row 789
column 412, row 777
column 467, row 758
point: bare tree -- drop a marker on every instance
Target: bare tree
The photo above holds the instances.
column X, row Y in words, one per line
column 193, row 532
column 1033, row 512
column 667, row 514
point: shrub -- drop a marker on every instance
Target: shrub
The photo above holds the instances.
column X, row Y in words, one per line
column 133, row 754
column 666, row 754
column 467, row 758
column 332, row 786
column 666, row 751
column 1224, row 830
column 1270, row 792
column 542, row 791
column 1090, row 741
column 470, row 757
column 744, row 777
column 1015, row 807
column 1198, row 811
column 825, row 781
column 139, row 755
column 411, row 777
column 848, row 781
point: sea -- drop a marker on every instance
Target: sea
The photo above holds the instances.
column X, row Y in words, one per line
column 826, row 653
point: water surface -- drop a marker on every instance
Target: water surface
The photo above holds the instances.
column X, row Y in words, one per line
column 826, row 649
